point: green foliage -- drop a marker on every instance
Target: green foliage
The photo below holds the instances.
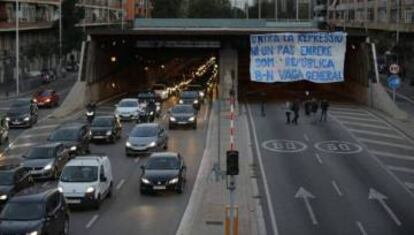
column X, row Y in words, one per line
column 167, row 9
column 210, row 9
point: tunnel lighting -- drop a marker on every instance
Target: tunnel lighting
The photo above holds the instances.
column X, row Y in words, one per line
column 113, row 59
column 163, row 66
column 146, row 68
column 113, row 43
column 216, row 66
column 113, row 85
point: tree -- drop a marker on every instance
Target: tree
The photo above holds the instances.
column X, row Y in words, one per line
column 167, row 9
column 210, row 9
column 72, row 36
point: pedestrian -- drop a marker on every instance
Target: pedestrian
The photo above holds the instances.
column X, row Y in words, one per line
column 307, row 105
column 314, row 109
column 324, row 108
column 295, row 109
column 287, row 112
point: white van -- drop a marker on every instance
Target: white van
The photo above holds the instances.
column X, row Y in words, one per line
column 87, row 180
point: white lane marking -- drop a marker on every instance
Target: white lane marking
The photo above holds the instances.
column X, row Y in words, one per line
column 363, row 124
column 358, row 118
column 393, row 155
column 205, row 112
column 338, row 191
column 376, row 133
column 402, row 146
column 16, row 146
column 348, row 110
column 45, row 127
column 349, row 113
column 34, row 135
column 306, row 137
column 319, row 158
column 401, row 169
column 375, row 195
column 265, row 184
column 119, row 185
column 361, row 228
column 306, row 195
column 92, row 221
column 409, row 185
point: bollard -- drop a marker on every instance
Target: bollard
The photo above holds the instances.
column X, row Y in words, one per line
column 228, row 222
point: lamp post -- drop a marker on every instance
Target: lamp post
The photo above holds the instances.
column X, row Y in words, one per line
column 397, row 39
column 17, row 48
column 60, row 36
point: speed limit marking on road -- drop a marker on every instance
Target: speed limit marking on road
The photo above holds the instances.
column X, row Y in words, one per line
column 284, row 146
column 335, row 146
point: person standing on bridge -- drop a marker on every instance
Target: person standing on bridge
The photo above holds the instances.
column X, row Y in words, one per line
column 324, row 108
column 287, row 112
column 295, row 109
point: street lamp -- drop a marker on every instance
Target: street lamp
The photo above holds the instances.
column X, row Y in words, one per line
column 17, row 47
column 60, row 36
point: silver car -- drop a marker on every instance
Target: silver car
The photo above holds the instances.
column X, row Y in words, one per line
column 146, row 138
column 128, row 109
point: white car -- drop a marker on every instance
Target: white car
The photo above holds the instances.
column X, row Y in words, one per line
column 87, row 180
column 128, row 109
column 161, row 91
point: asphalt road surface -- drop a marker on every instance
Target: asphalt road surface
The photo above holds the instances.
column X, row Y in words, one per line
column 129, row 212
column 350, row 175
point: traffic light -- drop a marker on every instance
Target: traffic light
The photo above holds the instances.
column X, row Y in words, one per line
column 232, row 162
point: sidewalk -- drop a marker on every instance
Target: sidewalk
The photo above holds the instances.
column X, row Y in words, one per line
column 205, row 212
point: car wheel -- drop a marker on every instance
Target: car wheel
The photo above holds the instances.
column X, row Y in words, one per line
column 195, row 126
column 166, row 146
column 97, row 203
column 66, row 227
column 180, row 188
column 170, row 127
column 142, row 191
column 110, row 191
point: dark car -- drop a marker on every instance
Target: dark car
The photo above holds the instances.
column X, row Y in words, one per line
column 163, row 171
column 22, row 113
column 147, row 96
column 146, row 138
column 183, row 115
column 46, row 161
column 106, row 128
column 202, row 90
column 13, row 178
column 35, row 211
column 75, row 137
column 46, row 97
column 190, row 97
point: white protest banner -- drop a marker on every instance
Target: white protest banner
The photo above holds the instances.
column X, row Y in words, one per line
column 288, row 57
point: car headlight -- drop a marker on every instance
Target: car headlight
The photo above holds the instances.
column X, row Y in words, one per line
column 47, row 100
column 8, row 119
column 27, row 118
column 3, row 197
column 152, row 113
column 173, row 181
column 73, row 148
column 128, row 144
column 145, row 181
column 191, row 119
column 33, row 233
column 60, row 189
column 153, row 144
column 195, row 101
column 181, row 102
column 34, row 100
column 173, row 119
column 89, row 113
column 48, row 167
column 158, row 108
column 90, row 189
column 202, row 93
column 109, row 133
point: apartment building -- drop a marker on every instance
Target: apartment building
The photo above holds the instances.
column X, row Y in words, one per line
column 387, row 15
column 37, row 18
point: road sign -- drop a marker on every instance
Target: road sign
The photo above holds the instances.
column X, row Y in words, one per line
column 394, row 82
column 394, row 68
column 334, row 146
column 284, row 146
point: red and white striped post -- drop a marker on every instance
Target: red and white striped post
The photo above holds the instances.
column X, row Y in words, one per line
column 232, row 118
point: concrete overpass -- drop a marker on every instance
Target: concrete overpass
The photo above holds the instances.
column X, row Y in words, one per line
column 111, row 61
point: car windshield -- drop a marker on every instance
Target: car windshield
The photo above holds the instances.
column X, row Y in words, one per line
column 128, row 103
column 79, row 174
column 45, row 93
column 6, row 178
column 146, row 95
column 183, row 109
column 189, row 94
column 64, row 135
column 162, row 163
column 19, row 111
column 102, row 122
column 21, row 103
column 41, row 153
column 22, row 211
column 144, row 131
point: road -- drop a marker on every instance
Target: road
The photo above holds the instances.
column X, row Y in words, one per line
column 128, row 212
column 351, row 175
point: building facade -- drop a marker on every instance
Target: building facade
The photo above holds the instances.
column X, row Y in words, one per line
column 37, row 18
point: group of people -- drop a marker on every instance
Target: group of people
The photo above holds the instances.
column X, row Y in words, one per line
column 311, row 107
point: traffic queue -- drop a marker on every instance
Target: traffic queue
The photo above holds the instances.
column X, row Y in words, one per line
column 85, row 179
